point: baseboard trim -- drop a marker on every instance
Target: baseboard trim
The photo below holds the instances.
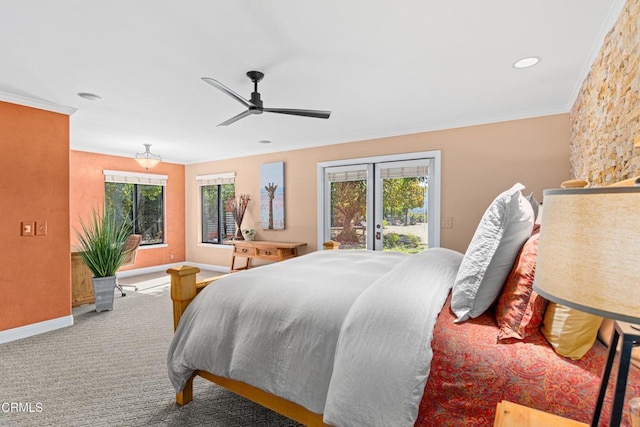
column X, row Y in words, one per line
column 165, row 267
column 35, row 329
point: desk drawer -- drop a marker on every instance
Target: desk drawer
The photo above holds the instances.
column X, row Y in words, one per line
column 268, row 253
column 244, row 252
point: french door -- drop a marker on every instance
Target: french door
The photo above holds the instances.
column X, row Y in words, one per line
column 382, row 203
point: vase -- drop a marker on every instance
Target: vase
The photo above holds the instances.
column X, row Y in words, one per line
column 248, row 238
column 103, row 290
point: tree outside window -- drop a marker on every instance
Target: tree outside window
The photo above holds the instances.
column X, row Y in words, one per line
column 218, row 225
column 143, row 205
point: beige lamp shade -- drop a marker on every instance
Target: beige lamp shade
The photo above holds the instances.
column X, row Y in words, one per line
column 589, row 251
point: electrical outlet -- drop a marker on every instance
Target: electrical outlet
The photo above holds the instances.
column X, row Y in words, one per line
column 447, row 222
column 26, row 228
column 41, row 228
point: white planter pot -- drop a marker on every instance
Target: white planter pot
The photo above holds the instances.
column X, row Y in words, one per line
column 103, row 290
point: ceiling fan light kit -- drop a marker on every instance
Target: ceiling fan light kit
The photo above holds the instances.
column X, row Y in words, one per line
column 255, row 105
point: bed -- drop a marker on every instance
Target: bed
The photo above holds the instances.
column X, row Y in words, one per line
column 386, row 347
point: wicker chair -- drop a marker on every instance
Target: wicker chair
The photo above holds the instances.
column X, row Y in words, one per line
column 130, row 250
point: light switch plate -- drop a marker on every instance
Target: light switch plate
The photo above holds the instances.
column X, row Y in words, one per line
column 26, row 228
column 41, row 228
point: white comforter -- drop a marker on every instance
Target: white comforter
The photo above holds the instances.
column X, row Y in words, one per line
column 344, row 333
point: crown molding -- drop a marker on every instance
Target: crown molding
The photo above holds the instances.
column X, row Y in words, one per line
column 40, row 104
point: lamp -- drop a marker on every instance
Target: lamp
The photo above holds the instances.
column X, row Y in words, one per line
column 588, row 259
column 147, row 159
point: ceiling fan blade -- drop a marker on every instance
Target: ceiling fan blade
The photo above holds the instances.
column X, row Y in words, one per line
column 228, row 91
column 236, row 118
column 319, row 114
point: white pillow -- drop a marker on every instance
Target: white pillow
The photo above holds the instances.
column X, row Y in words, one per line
column 535, row 205
column 503, row 229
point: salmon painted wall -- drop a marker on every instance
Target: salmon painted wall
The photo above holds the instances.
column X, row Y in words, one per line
column 478, row 163
column 87, row 191
column 35, row 271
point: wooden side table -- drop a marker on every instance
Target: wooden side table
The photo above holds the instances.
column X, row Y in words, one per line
column 509, row 414
column 262, row 249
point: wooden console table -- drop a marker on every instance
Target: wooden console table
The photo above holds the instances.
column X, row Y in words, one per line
column 263, row 249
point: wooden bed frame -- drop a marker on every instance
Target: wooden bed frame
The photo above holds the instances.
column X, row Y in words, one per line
column 184, row 289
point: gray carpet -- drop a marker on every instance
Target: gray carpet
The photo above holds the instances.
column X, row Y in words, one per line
column 109, row 369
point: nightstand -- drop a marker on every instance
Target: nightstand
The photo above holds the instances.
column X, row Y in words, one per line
column 509, row 414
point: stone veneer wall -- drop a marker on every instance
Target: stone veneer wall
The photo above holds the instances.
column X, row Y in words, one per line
column 605, row 119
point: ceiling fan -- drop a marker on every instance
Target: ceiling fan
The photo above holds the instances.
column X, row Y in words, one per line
column 254, row 106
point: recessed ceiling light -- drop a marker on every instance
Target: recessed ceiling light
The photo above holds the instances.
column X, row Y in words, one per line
column 527, row 62
column 264, row 141
column 89, row 96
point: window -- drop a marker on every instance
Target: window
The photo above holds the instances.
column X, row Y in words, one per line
column 218, row 225
column 139, row 199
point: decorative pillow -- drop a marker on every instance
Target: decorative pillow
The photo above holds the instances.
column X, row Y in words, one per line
column 504, row 227
column 534, row 205
column 570, row 332
column 520, row 309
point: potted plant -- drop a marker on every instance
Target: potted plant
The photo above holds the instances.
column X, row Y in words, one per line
column 249, row 234
column 101, row 242
column 237, row 207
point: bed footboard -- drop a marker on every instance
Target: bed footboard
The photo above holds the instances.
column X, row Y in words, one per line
column 184, row 289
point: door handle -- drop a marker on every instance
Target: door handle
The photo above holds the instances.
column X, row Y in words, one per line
column 378, row 235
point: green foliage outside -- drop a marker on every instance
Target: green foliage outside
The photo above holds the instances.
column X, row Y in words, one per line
column 408, row 243
column 214, row 210
column 349, row 207
column 140, row 205
column 400, row 195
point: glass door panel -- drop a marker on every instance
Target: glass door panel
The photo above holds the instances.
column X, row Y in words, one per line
column 401, row 210
column 348, row 208
column 382, row 203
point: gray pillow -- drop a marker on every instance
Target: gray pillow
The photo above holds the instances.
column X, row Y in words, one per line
column 503, row 229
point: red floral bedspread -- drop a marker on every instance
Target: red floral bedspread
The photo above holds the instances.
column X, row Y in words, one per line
column 471, row 373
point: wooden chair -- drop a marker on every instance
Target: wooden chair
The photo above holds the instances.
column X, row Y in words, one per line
column 130, row 250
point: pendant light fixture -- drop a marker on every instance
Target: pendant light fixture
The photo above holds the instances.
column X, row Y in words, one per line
column 147, row 159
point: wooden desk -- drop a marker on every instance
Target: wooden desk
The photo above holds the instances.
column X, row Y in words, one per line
column 81, row 284
column 509, row 414
column 263, row 249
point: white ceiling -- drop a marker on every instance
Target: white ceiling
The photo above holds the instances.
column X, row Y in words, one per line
column 382, row 67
